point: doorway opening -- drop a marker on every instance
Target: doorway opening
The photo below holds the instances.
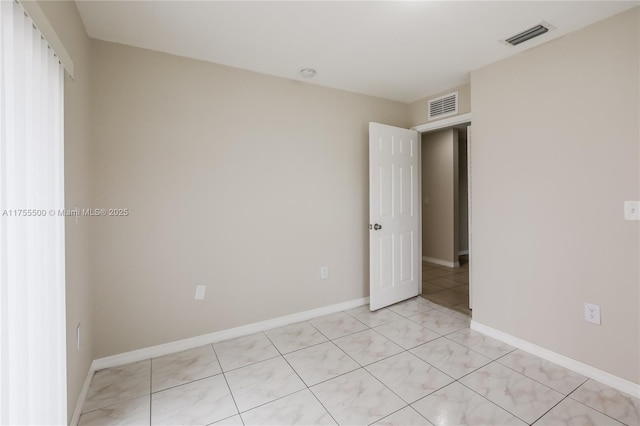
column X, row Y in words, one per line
column 445, row 217
column 395, row 214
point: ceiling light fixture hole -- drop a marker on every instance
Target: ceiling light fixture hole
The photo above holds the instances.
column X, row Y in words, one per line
column 307, row 72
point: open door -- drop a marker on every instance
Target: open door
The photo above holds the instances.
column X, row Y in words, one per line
column 394, row 215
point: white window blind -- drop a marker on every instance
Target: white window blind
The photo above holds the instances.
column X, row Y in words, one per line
column 32, row 278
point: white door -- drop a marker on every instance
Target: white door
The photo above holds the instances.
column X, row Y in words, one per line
column 394, row 215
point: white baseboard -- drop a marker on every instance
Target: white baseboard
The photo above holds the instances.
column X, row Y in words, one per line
column 601, row 376
column 463, row 252
column 205, row 339
column 232, row 333
column 83, row 396
column 441, row 262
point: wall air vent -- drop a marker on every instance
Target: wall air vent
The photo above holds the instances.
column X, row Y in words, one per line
column 528, row 34
column 443, row 106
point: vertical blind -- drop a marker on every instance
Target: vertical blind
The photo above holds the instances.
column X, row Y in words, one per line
column 32, row 290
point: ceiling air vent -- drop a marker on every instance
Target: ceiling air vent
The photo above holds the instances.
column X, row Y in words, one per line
column 527, row 34
column 443, row 106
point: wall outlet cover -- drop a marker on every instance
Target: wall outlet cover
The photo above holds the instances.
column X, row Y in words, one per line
column 592, row 313
column 324, row 272
column 200, row 291
column 632, row 210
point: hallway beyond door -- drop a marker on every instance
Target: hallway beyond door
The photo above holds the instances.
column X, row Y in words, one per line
column 447, row 286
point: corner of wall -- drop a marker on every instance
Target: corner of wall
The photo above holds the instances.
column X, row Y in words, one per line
column 67, row 24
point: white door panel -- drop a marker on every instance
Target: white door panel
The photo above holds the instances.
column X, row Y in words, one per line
column 394, row 213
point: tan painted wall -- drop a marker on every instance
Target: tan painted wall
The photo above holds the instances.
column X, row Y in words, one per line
column 418, row 109
column 66, row 21
column 439, row 184
column 556, row 147
column 240, row 181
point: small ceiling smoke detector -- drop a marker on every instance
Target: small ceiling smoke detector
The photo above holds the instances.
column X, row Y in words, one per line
column 307, row 72
column 532, row 32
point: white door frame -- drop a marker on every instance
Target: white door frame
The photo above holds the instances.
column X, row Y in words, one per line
column 436, row 125
column 444, row 123
column 394, row 252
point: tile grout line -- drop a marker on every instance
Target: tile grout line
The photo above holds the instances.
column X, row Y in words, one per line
column 536, row 380
column 300, row 378
column 287, row 361
column 348, row 334
column 322, row 405
column 403, row 400
column 299, row 349
column 517, row 372
column 364, row 367
column 131, row 398
column 551, row 408
column 403, row 408
column 588, row 406
column 186, row 383
column 458, row 380
column 227, row 382
column 473, row 371
column 497, row 405
column 341, row 350
column 477, row 352
column 264, row 334
column 465, row 375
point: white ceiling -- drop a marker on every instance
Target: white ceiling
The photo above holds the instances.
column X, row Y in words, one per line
column 395, row 50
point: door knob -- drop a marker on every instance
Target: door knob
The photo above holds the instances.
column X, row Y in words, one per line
column 376, row 227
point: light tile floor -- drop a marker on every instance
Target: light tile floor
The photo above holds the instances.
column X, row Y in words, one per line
column 415, row 363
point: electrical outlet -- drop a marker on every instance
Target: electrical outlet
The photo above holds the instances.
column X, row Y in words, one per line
column 78, row 337
column 592, row 313
column 632, row 210
column 324, row 272
column 200, row 291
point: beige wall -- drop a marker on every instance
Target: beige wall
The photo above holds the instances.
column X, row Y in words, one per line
column 555, row 155
column 440, row 186
column 240, row 181
column 66, row 21
column 418, row 109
